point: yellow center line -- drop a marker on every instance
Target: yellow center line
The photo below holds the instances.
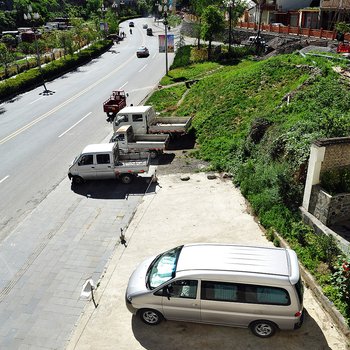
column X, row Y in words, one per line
column 55, row 109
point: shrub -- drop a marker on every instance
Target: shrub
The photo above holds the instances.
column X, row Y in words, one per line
column 33, row 77
column 341, row 279
column 336, row 180
column 182, row 58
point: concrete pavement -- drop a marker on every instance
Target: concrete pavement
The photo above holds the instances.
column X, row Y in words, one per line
column 45, row 261
column 198, row 210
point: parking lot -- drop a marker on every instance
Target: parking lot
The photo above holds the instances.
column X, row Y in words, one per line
column 197, row 210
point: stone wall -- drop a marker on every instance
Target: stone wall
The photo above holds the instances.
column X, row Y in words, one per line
column 329, row 209
column 336, row 155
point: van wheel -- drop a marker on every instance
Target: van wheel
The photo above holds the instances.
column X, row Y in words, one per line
column 263, row 329
column 126, row 178
column 150, row 317
column 78, row 180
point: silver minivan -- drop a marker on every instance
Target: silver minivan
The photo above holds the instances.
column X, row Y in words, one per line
column 221, row 284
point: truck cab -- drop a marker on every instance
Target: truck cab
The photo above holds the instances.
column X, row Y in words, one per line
column 137, row 116
column 95, row 161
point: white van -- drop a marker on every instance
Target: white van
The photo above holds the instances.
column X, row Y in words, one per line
column 229, row 285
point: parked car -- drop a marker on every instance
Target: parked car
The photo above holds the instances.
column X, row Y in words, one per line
column 228, row 285
column 131, row 24
column 145, row 26
column 277, row 24
column 142, row 52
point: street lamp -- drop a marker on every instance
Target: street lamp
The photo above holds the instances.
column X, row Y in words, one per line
column 230, row 4
column 164, row 8
column 30, row 16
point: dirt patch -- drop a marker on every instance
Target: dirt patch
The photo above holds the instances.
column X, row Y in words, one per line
column 179, row 158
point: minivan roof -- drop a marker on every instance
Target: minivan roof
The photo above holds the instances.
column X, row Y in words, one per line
column 239, row 258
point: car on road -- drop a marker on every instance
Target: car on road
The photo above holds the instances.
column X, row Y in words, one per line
column 149, row 32
column 142, row 52
column 131, row 24
column 145, row 26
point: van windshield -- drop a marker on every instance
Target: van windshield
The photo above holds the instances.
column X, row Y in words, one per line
column 162, row 268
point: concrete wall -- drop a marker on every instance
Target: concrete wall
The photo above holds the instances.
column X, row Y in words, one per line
column 327, row 154
column 329, row 209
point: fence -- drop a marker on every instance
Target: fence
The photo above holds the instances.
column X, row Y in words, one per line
column 288, row 30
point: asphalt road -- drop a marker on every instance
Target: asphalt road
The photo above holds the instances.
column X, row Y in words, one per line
column 40, row 135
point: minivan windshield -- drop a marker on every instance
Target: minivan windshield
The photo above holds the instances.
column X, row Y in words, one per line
column 162, row 268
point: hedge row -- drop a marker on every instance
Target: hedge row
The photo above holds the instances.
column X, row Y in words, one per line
column 32, row 78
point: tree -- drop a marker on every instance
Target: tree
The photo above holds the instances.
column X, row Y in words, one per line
column 198, row 7
column 213, row 23
column 6, row 57
column 65, row 40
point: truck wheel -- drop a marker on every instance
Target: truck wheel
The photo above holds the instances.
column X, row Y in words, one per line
column 263, row 329
column 153, row 154
column 150, row 317
column 78, row 180
column 126, row 178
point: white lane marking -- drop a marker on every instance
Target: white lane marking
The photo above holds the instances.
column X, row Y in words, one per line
column 154, row 55
column 38, row 99
column 75, row 124
column 55, row 109
column 143, row 68
column 6, row 177
column 121, row 88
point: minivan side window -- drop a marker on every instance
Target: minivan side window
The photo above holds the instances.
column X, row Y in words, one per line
column 180, row 289
column 244, row 293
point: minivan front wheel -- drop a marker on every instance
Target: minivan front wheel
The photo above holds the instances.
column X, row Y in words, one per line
column 151, row 317
column 263, row 329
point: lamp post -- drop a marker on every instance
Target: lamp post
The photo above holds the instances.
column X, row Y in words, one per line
column 230, row 4
column 163, row 8
column 103, row 11
column 30, row 16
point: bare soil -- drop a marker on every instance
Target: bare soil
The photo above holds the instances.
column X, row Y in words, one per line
column 179, row 157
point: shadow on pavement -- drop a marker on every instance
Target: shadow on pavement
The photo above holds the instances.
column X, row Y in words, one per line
column 182, row 335
column 114, row 189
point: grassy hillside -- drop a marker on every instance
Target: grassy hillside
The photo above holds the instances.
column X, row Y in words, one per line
column 257, row 120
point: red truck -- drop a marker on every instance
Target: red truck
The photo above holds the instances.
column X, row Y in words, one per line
column 114, row 104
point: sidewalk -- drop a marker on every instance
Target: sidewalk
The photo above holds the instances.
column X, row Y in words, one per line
column 198, row 210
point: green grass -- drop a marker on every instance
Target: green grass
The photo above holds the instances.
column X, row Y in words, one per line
column 167, row 99
column 245, row 124
column 193, row 71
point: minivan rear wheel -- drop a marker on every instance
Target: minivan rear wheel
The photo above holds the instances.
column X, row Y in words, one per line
column 150, row 317
column 263, row 329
